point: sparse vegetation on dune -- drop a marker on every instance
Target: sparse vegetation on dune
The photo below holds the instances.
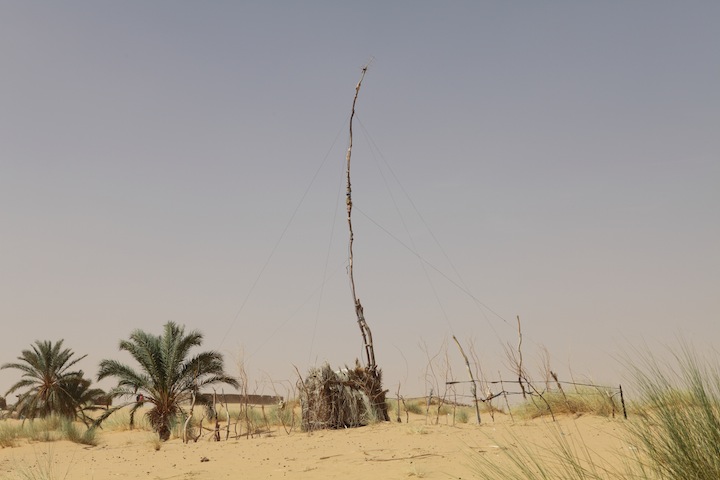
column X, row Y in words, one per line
column 461, row 413
column 582, row 401
column 119, row 421
column 417, row 407
column 674, row 430
column 50, row 429
column 561, row 458
column 42, row 469
column 9, row 433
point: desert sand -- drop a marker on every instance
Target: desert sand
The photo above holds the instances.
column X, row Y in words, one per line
column 418, row 449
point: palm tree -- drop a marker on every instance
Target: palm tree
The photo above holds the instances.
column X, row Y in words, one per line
column 167, row 377
column 86, row 399
column 53, row 388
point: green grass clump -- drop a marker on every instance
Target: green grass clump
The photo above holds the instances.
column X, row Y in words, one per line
column 679, row 430
column 70, row 431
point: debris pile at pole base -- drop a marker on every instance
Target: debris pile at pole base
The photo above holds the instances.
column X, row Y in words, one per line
column 341, row 399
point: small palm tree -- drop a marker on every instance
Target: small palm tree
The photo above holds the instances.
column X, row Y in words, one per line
column 86, row 399
column 52, row 386
column 167, row 377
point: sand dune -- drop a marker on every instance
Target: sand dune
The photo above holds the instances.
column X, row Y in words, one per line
column 384, row 450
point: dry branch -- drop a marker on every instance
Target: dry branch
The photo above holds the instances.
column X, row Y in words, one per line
column 520, row 359
column 189, row 418
column 473, row 387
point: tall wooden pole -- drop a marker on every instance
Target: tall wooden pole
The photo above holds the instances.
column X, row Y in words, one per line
column 364, row 328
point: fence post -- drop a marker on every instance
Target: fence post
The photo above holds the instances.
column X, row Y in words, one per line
column 622, row 401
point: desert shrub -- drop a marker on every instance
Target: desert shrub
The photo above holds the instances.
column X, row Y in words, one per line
column 462, row 416
column 40, row 430
column 89, row 437
column 9, row 434
column 415, row 406
column 69, row 431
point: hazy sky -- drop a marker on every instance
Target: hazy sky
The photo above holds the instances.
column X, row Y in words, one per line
column 184, row 161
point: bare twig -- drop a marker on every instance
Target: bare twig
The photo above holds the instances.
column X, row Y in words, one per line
column 407, row 414
column 487, row 391
column 398, row 404
column 227, row 415
column 545, row 364
column 217, row 421
column 519, row 365
column 507, row 403
column 200, row 429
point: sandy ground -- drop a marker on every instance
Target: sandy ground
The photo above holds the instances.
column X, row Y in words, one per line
column 381, row 451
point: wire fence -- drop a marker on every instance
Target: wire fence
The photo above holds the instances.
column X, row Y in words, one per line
column 556, row 398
